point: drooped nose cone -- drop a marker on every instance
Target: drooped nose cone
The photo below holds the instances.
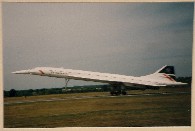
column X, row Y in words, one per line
column 22, row 72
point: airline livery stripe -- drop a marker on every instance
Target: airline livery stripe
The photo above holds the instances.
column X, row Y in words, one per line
column 166, row 76
column 41, row 72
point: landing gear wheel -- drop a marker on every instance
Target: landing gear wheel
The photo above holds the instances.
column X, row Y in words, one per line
column 111, row 93
column 118, row 89
column 124, row 93
column 115, row 93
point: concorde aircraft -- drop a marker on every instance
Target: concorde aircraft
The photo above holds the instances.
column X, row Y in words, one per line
column 165, row 76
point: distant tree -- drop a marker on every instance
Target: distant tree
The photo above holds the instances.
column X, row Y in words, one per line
column 185, row 79
column 105, row 88
column 12, row 93
column 42, row 91
column 6, row 93
column 30, row 92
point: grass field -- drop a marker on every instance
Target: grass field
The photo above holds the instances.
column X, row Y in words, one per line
column 98, row 111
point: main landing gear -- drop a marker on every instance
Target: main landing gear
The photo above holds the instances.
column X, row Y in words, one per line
column 118, row 89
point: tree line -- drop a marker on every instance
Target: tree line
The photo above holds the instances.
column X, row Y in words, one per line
column 45, row 91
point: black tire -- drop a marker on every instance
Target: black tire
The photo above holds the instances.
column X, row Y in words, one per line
column 124, row 93
column 111, row 93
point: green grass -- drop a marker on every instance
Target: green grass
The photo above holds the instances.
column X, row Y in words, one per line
column 121, row 111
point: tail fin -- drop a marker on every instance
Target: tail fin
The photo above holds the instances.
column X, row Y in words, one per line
column 168, row 71
column 165, row 76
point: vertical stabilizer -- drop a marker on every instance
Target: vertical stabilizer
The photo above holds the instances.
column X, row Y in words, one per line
column 167, row 71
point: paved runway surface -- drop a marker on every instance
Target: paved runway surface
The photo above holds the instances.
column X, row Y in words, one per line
column 91, row 97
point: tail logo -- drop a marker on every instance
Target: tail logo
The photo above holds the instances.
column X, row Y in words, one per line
column 167, row 70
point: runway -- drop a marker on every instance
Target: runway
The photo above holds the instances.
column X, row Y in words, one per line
column 90, row 97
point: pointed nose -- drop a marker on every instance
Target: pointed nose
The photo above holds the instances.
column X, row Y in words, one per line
column 21, row 72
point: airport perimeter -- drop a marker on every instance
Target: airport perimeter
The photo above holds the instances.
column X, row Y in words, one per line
column 149, row 108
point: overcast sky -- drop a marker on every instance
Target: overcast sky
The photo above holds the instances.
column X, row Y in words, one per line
column 124, row 38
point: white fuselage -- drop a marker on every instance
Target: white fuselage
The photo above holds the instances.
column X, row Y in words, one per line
column 155, row 79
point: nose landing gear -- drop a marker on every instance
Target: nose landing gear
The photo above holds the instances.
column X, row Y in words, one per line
column 66, row 83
